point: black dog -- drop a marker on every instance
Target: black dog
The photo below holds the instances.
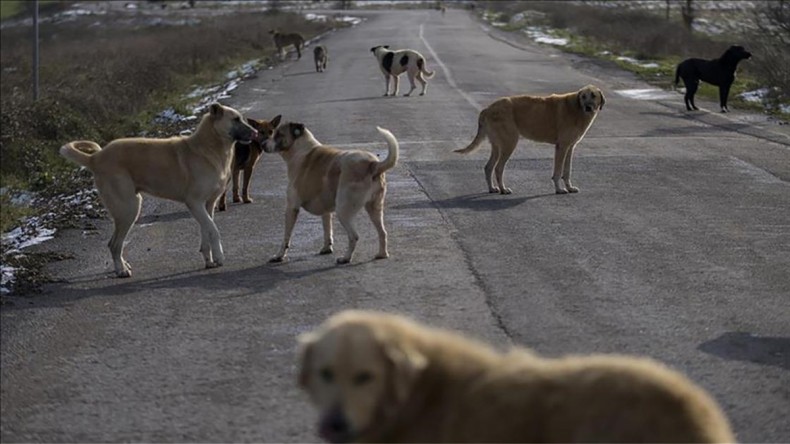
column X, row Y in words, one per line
column 719, row 72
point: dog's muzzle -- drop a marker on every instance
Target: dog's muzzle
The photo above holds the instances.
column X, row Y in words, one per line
column 334, row 427
column 248, row 138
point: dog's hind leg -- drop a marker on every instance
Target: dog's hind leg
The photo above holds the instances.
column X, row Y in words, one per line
column 691, row 89
column 245, row 191
column 210, row 243
column 349, row 203
column 375, row 209
column 411, row 81
column 507, row 144
column 123, row 204
column 489, row 168
column 326, row 220
column 423, row 82
column 566, row 171
column 236, row 174
column 395, row 85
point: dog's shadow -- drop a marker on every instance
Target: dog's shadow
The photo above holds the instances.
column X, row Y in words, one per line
column 474, row 202
column 165, row 217
column 743, row 346
column 357, row 99
column 302, row 73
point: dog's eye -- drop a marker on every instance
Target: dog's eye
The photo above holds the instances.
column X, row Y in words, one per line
column 362, row 378
column 327, row 375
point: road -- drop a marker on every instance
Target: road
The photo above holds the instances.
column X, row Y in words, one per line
column 677, row 247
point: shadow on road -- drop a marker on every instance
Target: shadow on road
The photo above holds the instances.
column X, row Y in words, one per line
column 742, row 346
column 168, row 217
column 243, row 282
column 303, row 73
column 475, row 202
column 355, row 99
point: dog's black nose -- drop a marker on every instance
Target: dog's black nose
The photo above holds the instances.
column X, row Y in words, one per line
column 335, row 427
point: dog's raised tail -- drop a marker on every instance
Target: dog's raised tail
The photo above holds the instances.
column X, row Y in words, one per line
column 481, row 134
column 80, row 152
column 421, row 65
column 392, row 155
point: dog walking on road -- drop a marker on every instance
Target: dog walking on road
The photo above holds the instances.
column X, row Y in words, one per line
column 719, row 72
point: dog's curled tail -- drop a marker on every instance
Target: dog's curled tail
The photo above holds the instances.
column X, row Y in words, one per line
column 392, row 155
column 481, row 134
column 421, row 65
column 677, row 75
column 80, row 152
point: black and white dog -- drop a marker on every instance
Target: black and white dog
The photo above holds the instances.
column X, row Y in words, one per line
column 394, row 63
column 719, row 72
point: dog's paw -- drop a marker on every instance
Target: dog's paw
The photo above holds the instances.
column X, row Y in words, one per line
column 326, row 250
column 343, row 261
column 277, row 260
column 248, row 200
column 506, row 191
column 493, row 190
column 212, row 264
column 561, row 191
column 124, row 274
column 236, row 199
column 573, row 189
column 386, row 94
column 422, row 93
column 382, row 256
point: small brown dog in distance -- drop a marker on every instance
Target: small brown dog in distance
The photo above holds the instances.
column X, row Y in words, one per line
column 245, row 157
column 559, row 119
column 377, row 377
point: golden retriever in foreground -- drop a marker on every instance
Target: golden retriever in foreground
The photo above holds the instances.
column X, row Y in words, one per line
column 191, row 169
column 383, row 378
column 323, row 180
column 558, row 119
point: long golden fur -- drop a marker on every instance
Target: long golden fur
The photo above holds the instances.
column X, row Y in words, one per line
column 559, row 119
column 324, row 180
column 193, row 169
column 383, row 378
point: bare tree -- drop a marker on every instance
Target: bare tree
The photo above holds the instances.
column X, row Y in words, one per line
column 687, row 11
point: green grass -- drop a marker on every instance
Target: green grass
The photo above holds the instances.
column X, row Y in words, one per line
column 10, row 8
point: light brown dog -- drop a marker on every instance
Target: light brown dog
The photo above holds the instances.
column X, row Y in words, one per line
column 383, row 378
column 283, row 40
column 245, row 157
column 323, row 180
column 558, row 119
column 191, row 169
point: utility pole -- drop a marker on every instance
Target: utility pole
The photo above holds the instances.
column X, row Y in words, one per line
column 35, row 50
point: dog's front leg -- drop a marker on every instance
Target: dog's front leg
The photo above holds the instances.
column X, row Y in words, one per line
column 326, row 218
column 291, row 213
column 236, row 174
column 210, row 244
column 560, row 151
column 566, row 173
column 724, row 92
column 396, row 85
column 386, row 85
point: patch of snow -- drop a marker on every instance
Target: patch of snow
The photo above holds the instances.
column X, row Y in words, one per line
column 498, row 24
column 757, row 95
column 645, row 94
column 349, row 19
column 7, row 278
column 784, row 108
column 636, row 62
column 539, row 35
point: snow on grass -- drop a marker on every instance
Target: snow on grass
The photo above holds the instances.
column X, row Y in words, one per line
column 645, row 94
column 633, row 61
column 757, row 95
column 541, row 36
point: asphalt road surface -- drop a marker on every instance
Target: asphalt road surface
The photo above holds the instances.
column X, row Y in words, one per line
column 677, row 247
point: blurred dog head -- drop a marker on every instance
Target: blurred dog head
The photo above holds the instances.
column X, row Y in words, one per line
column 356, row 373
column 591, row 99
column 285, row 136
column 265, row 130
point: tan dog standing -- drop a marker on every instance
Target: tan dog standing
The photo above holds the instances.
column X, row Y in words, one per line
column 395, row 63
column 191, row 169
column 323, row 180
column 245, row 157
column 383, row 378
column 559, row 119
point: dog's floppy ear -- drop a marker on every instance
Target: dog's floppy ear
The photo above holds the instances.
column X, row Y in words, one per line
column 216, row 110
column 276, row 121
column 406, row 366
column 306, row 343
column 373, row 49
column 297, row 129
column 386, row 46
